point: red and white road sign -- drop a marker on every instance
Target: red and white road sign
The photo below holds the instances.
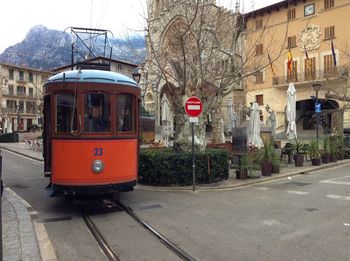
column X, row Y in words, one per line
column 193, row 106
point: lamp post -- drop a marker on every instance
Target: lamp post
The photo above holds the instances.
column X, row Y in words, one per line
column 317, row 87
column 267, row 108
column 17, row 107
column 136, row 74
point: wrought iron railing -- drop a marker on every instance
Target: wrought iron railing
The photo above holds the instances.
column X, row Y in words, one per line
column 334, row 73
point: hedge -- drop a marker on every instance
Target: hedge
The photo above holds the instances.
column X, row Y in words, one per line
column 164, row 167
column 9, row 137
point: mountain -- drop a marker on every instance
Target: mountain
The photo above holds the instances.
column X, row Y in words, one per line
column 46, row 49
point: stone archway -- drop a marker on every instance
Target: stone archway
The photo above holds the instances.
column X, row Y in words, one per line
column 306, row 117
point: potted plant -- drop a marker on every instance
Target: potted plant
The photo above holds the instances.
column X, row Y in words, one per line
column 276, row 161
column 245, row 164
column 265, row 157
column 325, row 153
column 340, row 142
column 315, row 153
column 333, row 149
column 298, row 153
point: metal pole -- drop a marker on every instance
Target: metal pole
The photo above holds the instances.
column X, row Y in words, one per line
column 193, row 161
column 317, row 116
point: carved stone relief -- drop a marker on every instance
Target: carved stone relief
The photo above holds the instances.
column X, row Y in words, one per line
column 310, row 38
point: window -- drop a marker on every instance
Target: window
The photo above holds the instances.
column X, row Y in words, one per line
column 259, row 49
column 30, row 77
column 310, row 68
column 21, row 106
column 293, row 74
column 11, row 72
column 11, row 90
column 258, row 23
column 21, row 75
column 329, row 67
column 291, row 14
column 97, row 112
column 292, row 42
column 259, row 77
column 30, row 107
column 11, row 105
column 119, row 67
column 125, row 113
column 329, row 32
column 21, row 91
column 66, row 113
column 328, row 4
column 31, row 92
column 259, row 99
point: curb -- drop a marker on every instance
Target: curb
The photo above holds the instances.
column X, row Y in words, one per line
column 43, row 247
column 223, row 187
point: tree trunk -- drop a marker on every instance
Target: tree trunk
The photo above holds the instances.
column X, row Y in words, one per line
column 218, row 125
column 183, row 134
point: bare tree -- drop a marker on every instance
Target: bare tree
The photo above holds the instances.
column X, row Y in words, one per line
column 200, row 52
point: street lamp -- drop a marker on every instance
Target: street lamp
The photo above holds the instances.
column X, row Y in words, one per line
column 136, row 74
column 267, row 108
column 317, row 87
column 17, row 107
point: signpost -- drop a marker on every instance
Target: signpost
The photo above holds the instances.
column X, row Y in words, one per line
column 193, row 108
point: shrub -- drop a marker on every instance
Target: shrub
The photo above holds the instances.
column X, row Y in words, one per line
column 9, row 137
column 164, row 167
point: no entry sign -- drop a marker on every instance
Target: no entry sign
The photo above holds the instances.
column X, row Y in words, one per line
column 193, row 106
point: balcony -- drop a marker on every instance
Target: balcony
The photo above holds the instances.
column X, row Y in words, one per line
column 336, row 73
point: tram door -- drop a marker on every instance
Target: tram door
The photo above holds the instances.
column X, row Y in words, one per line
column 47, row 133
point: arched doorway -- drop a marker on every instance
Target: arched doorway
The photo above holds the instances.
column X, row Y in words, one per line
column 306, row 117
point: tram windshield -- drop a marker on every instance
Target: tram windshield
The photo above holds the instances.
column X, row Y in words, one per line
column 66, row 118
column 125, row 117
column 97, row 112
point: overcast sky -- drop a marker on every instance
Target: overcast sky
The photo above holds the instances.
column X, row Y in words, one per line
column 118, row 16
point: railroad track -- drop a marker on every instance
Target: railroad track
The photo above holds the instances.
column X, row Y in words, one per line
column 106, row 248
column 111, row 253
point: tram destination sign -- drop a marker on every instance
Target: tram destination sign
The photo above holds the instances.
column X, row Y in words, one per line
column 193, row 106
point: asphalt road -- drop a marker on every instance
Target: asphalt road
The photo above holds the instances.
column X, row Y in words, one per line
column 303, row 218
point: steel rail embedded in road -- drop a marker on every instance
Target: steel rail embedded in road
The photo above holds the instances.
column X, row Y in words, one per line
column 173, row 247
column 105, row 247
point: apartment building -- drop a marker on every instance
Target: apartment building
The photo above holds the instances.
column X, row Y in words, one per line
column 21, row 92
column 305, row 43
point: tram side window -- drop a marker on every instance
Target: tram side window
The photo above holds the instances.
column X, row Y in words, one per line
column 97, row 113
column 66, row 113
column 125, row 113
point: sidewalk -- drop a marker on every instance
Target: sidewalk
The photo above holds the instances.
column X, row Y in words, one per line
column 25, row 239
column 22, row 237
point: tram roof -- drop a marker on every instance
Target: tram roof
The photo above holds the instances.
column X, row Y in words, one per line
column 94, row 76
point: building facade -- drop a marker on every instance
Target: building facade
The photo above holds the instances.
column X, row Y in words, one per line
column 172, row 61
column 304, row 43
column 21, row 97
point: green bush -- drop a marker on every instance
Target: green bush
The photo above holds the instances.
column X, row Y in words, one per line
column 164, row 167
column 9, row 137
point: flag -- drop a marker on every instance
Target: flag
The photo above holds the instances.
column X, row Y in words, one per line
column 334, row 56
column 308, row 65
column 271, row 65
column 290, row 61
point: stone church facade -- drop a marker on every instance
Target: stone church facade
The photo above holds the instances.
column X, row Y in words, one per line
column 165, row 26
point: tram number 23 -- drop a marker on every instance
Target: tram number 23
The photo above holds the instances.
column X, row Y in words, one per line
column 98, row 151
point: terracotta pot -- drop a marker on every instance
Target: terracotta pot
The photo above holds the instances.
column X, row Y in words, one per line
column 316, row 161
column 325, row 157
column 299, row 160
column 266, row 168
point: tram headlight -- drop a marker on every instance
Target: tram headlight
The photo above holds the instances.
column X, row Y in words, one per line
column 97, row 166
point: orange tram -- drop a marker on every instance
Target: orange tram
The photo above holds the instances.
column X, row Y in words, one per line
column 91, row 133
